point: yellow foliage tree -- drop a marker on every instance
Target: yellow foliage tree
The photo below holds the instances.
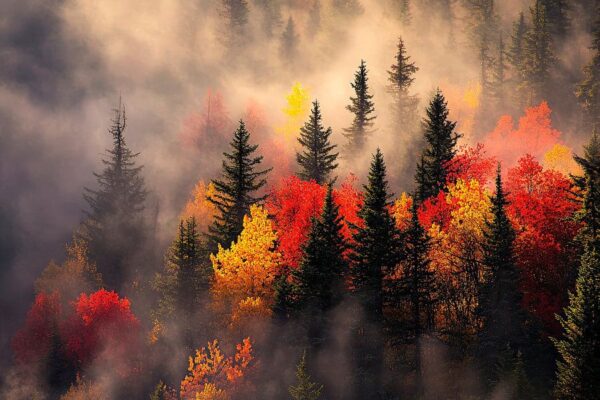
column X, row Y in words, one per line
column 211, row 392
column 296, row 111
column 247, row 269
column 401, row 211
column 560, row 158
column 199, row 207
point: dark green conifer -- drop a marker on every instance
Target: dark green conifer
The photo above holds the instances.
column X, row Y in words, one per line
column 404, row 106
column 288, row 48
column 362, row 106
column 588, row 90
column 589, row 189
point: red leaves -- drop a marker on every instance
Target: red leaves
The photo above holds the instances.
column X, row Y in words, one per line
column 473, row 163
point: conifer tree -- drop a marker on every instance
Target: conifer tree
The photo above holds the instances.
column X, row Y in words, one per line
column 320, row 277
column 516, row 58
column 374, row 256
column 314, row 19
column 401, row 9
column 538, row 56
column 498, row 89
column 289, row 42
column 362, row 106
column 401, row 77
column 115, row 223
column 317, row 159
column 271, row 19
column 483, row 31
column 502, row 318
column 440, row 148
column 283, row 304
column 305, row 388
column 557, row 13
column 235, row 191
column 588, row 90
column 235, row 15
column 348, row 8
column 589, row 189
column 578, row 367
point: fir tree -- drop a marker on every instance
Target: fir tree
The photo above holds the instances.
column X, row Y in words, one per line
column 271, row 19
column 500, row 312
column 557, row 13
column 401, row 77
column 578, row 368
column 401, row 9
column 348, row 8
column 374, row 256
column 361, row 105
column 588, row 90
column 498, row 89
column 305, row 388
column 284, row 301
column 589, row 189
column 538, row 56
column 440, row 137
column 317, row 159
column 235, row 15
column 115, row 224
column 235, row 192
column 289, row 42
column 516, row 58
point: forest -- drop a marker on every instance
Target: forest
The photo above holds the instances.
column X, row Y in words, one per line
column 300, row 199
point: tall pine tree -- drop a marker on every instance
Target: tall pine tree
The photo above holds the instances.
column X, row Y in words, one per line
column 288, row 48
column 516, row 58
column 404, row 106
column 589, row 189
column 362, row 106
column 440, row 149
column 588, row 90
column 236, row 190
column 502, row 318
column 317, row 159
column 115, row 225
column 235, row 24
column 498, row 87
column 374, row 256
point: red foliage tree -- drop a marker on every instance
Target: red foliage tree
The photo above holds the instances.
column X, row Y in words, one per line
column 208, row 128
column 473, row 163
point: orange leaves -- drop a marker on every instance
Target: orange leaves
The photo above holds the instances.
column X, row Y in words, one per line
column 199, row 207
column 211, row 373
column 560, row 158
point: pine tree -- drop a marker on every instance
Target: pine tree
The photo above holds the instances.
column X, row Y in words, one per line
column 557, row 12
column 578, row 368
column 305, row 389
column 320, row 277
column 348, row 8
column 271, row 19
column 284, row 301
column 317, row 159
column 440, row 137
column 115, row 224
column 235, row 191
column 401, row 77
column 498, row 89
column 401, row 9
column 235, row 15
column 502, row 318
column 538, row 56
column 516, row 58
column 589, row 189
column 363, row 108
column 374, row 256
column 588, row 90
column 289, row 42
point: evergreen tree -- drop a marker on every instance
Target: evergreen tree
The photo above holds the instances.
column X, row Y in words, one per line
column 284, row 301
column 374, row 256
column 115, row 224
column 317, row 159
column 588, row 90
column 502, row 318
column 271, row 19
column 348, row 8
column 440, row 149
column 235, row 192
column 314, row 19
column 320, row 277
column 363, row 108
column 516, row 58
column 578, row 368
column 557, row 13
column 589, row 189
column 401, row 9
column 305, row 388
column 401, row 77
column 538, row 56
column 289, row 42
column 498, row 89
column 235, row 27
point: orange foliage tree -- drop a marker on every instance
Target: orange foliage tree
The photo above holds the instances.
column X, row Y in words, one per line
column 199, row 207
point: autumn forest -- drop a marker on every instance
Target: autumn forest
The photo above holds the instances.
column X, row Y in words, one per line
column 286, row 199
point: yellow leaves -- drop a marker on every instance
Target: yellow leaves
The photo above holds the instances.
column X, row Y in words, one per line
column 401, row 211
column 247, row 269
column 560, row 158
column 199, row 207
column 472, row 95
column 472, row 205
column 211, row 392
column 248, row 310
column 156, row 332
column 296, row 111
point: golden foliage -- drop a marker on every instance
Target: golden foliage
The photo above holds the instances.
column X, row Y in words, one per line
column 199, row 207
column 248, row 310
column 401, row 211
column 296, row 111
column 560, row 159
column 83, row 390
column 211, row 392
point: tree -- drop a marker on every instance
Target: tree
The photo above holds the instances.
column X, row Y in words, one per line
column 401, row 10
column 375, row 254
column 305, row 388
column 320, row 278
column 502, row 319
column 314, row 19
column 588, row 90
column 289, row 42
column 498, row 89
column 363, row 108
column 435, row 164
column 558, row 18
column 589, row 189
column 114, row 224
column 348, row 8
column 538, row 55
column 317, row 159
column 579, row 365
column 401, row 77
column 516, row 58
column 270, row 15
column 235, row 30
column 235, row 191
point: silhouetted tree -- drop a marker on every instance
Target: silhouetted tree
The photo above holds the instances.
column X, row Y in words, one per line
column 289, row 42
column 588, row 90
column 362, row 106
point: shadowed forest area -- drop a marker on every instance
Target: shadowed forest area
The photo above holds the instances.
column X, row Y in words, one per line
column 300, row 199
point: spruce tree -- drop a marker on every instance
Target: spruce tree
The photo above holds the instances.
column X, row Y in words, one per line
column 557, row 13
column 284, row 303
column 270, row 16
column 588, row 90
column 538, row 56
column 320, row 277
column 317, row 159
column 375, row 255
column 305, row 388
column 498, row 89
column 289, row 42
column 361, row 105
column 348, row 8
column 235, row 27
column 440, row 149
column 404, row 107
column 235, row 191
column 401, row 9
column 589, row 189
column 578, row 368
column 516, row 58
column 502, row 318
column 115, row 226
